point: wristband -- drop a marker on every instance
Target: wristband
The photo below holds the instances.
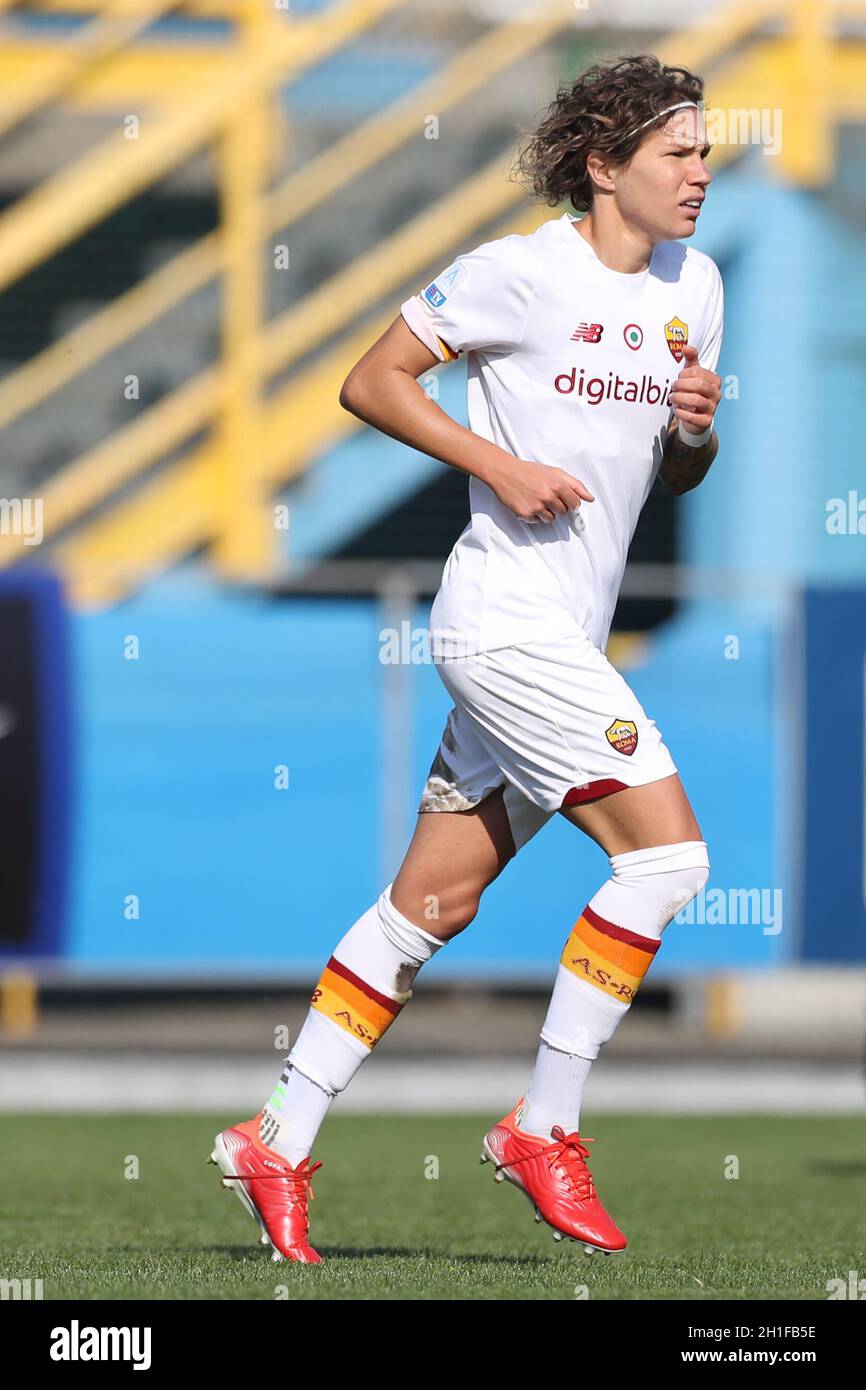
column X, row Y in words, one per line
column 694, row 440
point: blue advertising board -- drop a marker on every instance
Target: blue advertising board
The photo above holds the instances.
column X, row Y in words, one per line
column 832, row 748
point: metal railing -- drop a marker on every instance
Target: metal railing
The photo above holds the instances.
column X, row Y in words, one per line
column 215, row 493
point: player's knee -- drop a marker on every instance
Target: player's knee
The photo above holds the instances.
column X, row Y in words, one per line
column 463, row 914
column 668, row 877
column 689, row 880
column 702, row 873
column 693, row 881
column 457, row 911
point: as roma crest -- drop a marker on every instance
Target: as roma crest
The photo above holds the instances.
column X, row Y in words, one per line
column 677, row 334
column 622, row 735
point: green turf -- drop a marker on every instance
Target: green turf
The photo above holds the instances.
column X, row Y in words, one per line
column 792, row 1220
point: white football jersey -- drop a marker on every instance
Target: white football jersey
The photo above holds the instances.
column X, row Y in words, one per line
column 569, row 364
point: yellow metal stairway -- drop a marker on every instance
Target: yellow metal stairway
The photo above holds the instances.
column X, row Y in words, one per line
column 113, row 516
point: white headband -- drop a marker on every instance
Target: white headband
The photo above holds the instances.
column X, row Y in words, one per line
column 678, row 107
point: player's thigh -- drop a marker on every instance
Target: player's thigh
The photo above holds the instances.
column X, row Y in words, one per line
column 452, row 857
column 656, row 813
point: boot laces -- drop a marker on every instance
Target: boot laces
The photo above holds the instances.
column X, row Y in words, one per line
column 569, row 1153
column 297, row 1180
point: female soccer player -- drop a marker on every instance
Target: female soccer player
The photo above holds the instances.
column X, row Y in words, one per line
column 591, row 346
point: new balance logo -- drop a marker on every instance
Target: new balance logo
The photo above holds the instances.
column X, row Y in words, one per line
column 587, row 333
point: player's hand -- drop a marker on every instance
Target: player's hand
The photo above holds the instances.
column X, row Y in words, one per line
column 695, row 393
column 537, row 492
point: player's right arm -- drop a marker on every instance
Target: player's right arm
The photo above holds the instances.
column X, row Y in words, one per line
column 383, row 390
column 480, row 301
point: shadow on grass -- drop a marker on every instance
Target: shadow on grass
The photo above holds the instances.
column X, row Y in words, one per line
column 838, row 1167
column 371, row 1252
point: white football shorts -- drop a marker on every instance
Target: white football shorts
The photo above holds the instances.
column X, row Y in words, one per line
column 552, row 722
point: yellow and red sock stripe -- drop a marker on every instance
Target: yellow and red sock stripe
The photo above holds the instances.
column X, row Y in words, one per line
column 350, row 1002
column 612, row 958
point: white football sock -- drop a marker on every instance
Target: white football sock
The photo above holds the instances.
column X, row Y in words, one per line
column 362, row 989
column 604, row 959
column 293, row 1116
column 555, row 1091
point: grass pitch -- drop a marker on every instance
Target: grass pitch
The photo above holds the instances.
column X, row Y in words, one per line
column 403, row 1210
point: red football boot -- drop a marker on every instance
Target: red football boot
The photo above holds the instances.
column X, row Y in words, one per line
column 553, row 1174
column 272, row 1190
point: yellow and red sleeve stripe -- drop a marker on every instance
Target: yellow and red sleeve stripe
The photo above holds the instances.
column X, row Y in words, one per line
column 612, row 958
column 352, row 1004
column 448, row 353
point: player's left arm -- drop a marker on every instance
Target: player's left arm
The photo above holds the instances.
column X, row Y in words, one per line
column 694, row 396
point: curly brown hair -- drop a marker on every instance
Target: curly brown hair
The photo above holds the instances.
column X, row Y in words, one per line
column 599, row 111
